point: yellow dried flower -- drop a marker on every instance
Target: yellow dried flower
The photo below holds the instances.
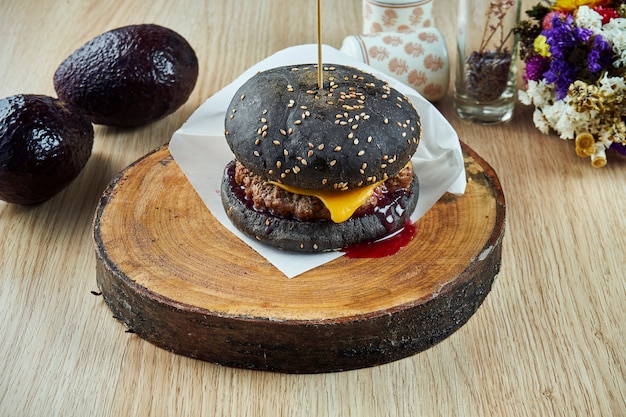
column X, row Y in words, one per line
column 598, row 159
column 585, row 144
column 569, row 5
column 541, row 47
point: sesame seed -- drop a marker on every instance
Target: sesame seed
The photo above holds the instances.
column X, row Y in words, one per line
column 276, row 142
column 320, row 147
column 310, row 153
column 257, row 141
column 350, row 135
column 264, row 134
column 337, row 148
column 232, row 116
column 263, row 120
column 279, row 164
column 270, row 172
column 304, row 162
column 256, row 153
column 283, row 132
column 356, row 141
column 363, row 165
column 290, row 131
column 386, row 121
column 297, row 122
column 243, row 96
column 263, row 128
column 285, row 152
column 303, row 107
column 332, row 163
column 361, row 153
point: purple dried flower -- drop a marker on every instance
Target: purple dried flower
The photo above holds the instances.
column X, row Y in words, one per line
column 600, row 56
column 561, row 74
column 619, row 147
column 536, row 66
column 570, row 46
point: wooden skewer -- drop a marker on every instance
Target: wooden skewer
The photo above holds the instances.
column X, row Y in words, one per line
column 320, row 78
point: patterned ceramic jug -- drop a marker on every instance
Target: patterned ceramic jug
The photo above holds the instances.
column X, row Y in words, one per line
column 396, row 15
column 400, row 40
column 418, row 59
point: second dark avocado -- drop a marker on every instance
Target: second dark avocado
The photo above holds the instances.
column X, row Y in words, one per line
column 129, row 76
column 44, row 145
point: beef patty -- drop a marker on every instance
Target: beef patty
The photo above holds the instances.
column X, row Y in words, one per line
column 279, row 202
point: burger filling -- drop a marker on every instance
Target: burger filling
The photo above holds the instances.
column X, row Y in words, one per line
column 267, row 197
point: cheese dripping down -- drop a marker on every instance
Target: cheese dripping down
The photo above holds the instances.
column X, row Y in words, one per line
column 340, row 204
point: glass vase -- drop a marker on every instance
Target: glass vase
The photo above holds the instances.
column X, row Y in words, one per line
column 484, row 89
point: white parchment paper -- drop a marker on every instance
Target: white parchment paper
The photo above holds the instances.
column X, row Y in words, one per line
column 200, row 149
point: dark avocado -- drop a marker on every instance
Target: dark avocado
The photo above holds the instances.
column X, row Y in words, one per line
column 129, row 76
column 44, row 144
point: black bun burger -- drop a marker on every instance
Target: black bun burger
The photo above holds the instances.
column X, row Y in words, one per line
column 320, row 169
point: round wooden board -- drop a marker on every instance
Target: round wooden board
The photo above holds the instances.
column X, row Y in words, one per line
column 177, row 278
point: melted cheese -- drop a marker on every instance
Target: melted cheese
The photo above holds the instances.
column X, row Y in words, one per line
column 340, row 204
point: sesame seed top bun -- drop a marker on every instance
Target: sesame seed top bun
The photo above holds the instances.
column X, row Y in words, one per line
column 353, row 132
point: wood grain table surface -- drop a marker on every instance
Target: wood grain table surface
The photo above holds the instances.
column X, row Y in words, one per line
column 549, row 339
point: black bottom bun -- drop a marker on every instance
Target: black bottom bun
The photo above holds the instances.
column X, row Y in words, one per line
column 318, row 236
